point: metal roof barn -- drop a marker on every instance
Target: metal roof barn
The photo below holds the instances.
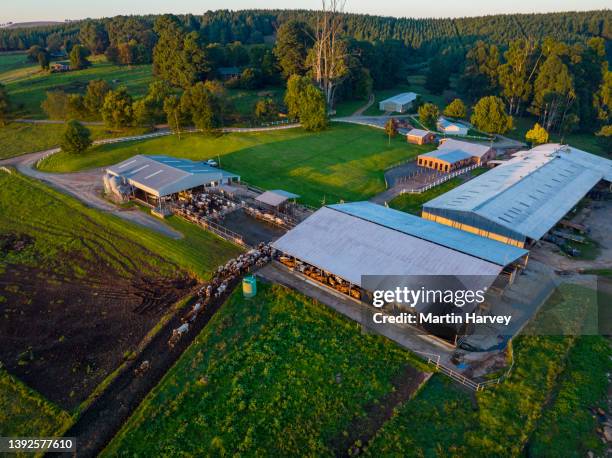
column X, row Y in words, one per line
column 399, row 103
column 527, row 195
column 275, row 197
column 362, row 238
column 165, row 175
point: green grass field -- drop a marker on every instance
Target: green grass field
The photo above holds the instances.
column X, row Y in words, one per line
column 21, row 138
column 243, row 102
column 443, row 420
column 413, row 203
column 27, row 86
column 23, row 412
column 276, row 375
column 344, row 162
column 62, row 226
column 10, row 61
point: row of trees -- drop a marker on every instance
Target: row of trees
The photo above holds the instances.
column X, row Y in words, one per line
column 253, row 26
column 565, row 87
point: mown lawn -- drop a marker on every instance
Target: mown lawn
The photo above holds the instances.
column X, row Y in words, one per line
column 23, row 412
column 443, row 420
column 22, row 138
column 62, row 226
column 27, row 86
column 276, row 375
column 344, row 162
column 10, row 61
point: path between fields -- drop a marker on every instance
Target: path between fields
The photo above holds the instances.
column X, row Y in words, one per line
column 369, row 103
column 87, row 185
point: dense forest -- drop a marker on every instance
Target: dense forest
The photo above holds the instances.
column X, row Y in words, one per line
column 422, row 35
column 551, row 66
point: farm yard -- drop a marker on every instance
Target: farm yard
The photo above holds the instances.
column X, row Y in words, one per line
column 101, row 285
column 344, row 162
column 320, row 373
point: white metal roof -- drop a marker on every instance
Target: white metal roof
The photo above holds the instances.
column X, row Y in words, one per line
column 165, row 175
column 275, row 197
column 350, row 246
column 403, row 98
column 473, row 149
column 418, row 133
column 531, row 192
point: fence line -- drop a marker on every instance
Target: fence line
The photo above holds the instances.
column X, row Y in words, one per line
column 213, row 227
column 439, row 181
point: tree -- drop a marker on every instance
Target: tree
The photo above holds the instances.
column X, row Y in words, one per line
column 438, row 76
column 305, row 102
column 428, row 115
column 604, row 137
column 203, row 107
column 5, row 105
column 43, row 60
column 93, row 35
column 490, row 116
column 265, row 109
column 117, row 108
column 78, row 57
column 517, row 73
column 293, row 40
column 537, row 135
column 95, row 94
column 76, row 137
column 56, row 105
column 481, row 71
column 328, row 57
column 553, row 92
column 456, row 109
column 391, row 128
column 175, row 115
column 150, row 109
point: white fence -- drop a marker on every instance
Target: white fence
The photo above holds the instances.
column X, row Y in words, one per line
column 438, row 181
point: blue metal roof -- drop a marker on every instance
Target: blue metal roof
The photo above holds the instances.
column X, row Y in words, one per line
column 448, row 156
column 455, row 239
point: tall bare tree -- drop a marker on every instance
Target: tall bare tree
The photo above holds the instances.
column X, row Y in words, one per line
column 327, row 59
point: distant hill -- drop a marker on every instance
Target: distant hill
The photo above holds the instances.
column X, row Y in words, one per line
column 26, row 25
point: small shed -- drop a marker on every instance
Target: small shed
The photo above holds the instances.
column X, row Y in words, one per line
column 420, row 136
column 277, row 198
column 399, row 103
column 451, row 127
column 57, row 67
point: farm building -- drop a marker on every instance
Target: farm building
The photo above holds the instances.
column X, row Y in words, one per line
column 399, row 103
column 228, row 73
column 420, row 136
column 156, row 179
column 58, row 67
column 276, row 198
column 449, row 127
column 340, row 243
column 520, row 200
column 455, row 154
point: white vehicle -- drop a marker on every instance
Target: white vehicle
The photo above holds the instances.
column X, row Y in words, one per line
column 212, row 163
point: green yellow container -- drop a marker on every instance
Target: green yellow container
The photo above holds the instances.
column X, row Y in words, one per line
column 249, row 286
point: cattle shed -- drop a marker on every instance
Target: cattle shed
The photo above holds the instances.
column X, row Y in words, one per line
column 451, row 127
column 399, row 103
column 276, row 198
column 420, row 136
column 338, row 244
column 155, row 179
column 454, row 154
column 520, row 200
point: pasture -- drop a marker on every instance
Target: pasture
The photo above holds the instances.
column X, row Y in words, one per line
column 319, row 371
column 27, row 86
column 22, row 138
column 94, row 284
column 344, row 162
